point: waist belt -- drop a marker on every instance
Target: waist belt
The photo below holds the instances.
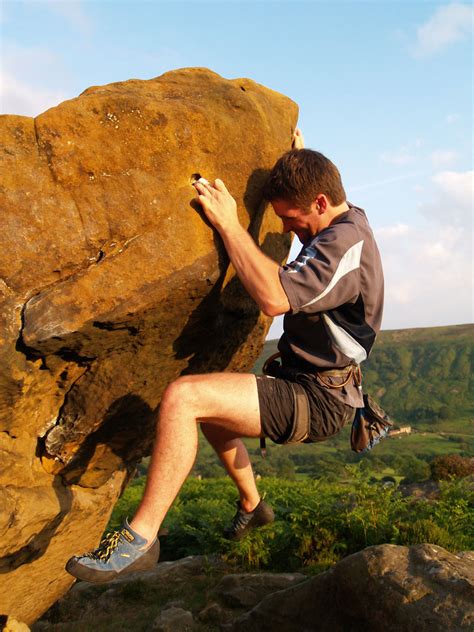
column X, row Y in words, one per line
column 273, row 367
column 351, row 372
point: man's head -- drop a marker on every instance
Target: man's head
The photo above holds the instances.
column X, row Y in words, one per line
column 306, row 192
column 300, row 176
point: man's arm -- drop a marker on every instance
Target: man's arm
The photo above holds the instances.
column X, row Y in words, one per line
column 259, row 274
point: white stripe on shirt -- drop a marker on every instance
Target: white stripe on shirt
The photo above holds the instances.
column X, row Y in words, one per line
column 344, row 341
column 350, row 261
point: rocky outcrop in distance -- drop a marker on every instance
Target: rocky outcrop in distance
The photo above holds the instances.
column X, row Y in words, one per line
column 384, row 588
column 112, row 284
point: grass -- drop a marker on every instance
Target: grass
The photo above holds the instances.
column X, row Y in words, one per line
column 132, row 606
column 318, row 521
column 425, row 444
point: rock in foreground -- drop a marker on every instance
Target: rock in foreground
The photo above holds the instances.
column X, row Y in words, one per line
column 383, row 588
column 111, row 286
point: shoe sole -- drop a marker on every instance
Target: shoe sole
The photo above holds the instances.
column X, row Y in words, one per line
column 144, row 563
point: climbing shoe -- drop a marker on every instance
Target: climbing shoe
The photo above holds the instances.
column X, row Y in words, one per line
column 244, row 521
column 120, row 552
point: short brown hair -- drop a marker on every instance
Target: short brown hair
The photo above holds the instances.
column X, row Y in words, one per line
column 300, row 176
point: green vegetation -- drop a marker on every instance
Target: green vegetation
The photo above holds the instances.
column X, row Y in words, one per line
column 317, row 522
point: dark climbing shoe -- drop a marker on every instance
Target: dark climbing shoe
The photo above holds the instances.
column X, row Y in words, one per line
column 120, row 552
column 243, row 521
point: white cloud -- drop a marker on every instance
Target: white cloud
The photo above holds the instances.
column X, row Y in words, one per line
column 27, row 76
column 442, row 157
column 398, row 158
column 392, row 231
column 452, row 202
column 452, row 118
column 379, row 183
column 411, row 154
column 17, row 97
column 449, row 24
column 428, row 268
column 405, row 155
column 428, row 276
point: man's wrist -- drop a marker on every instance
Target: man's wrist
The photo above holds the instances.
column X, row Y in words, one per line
column 231, row 229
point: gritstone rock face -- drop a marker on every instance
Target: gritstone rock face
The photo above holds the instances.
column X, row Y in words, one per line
column 111, row 286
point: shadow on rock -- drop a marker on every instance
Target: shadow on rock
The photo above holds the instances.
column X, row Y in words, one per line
column 38, row 545
column 225, row 317
column 116, row 445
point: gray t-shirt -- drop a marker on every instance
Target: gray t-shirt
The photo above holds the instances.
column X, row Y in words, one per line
column 335, row 290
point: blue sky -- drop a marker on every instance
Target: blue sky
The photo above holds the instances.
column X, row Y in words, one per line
column 384, row 89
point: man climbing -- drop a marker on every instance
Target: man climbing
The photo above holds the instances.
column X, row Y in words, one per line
column 332, row 298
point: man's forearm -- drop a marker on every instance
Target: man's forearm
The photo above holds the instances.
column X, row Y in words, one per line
column 258, row 273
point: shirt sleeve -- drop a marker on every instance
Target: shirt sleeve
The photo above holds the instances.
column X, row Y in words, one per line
column 325, row 274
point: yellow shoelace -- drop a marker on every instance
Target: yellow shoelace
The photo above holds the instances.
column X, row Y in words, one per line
column 105, row 548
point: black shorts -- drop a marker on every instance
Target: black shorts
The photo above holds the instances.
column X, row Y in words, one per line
column 275, row 395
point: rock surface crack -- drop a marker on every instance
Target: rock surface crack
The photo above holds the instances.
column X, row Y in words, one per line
column 44, row 151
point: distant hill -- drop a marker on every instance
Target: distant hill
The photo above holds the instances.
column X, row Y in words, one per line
column 421, row 376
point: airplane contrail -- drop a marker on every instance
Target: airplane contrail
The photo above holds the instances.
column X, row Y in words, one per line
column 371, row 185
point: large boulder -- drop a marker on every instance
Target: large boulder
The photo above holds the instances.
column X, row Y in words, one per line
column 384, row 588
column 111, row 285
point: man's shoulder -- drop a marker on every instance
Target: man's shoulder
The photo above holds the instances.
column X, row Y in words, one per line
column 354, row 216
column 353, row 224
column 346, row 229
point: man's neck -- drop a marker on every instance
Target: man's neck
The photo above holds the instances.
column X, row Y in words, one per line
column 333, row 212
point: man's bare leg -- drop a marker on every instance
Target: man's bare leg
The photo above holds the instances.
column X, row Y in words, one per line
column 226, row 400
column 234, row 457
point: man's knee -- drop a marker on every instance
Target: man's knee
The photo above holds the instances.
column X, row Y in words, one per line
column 180, row 393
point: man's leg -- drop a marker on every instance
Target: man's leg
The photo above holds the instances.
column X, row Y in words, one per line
column 225, row 400
column 234, row 457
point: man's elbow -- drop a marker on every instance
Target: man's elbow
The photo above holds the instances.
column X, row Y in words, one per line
column 275, row 309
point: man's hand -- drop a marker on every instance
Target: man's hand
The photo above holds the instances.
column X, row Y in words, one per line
column 298, row 139
column 218, row 205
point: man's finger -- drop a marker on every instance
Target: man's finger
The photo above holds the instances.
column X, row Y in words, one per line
column 220, row 186
column 202, row 188
column 204, row 202
column 298, row 139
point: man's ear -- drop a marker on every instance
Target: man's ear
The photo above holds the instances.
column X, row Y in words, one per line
column 321, row 203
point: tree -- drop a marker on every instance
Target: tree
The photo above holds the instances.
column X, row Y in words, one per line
column 451, row 466
column 444, row 413
column 414, row 470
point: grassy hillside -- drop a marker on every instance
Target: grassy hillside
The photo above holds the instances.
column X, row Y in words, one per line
column 421, row 376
